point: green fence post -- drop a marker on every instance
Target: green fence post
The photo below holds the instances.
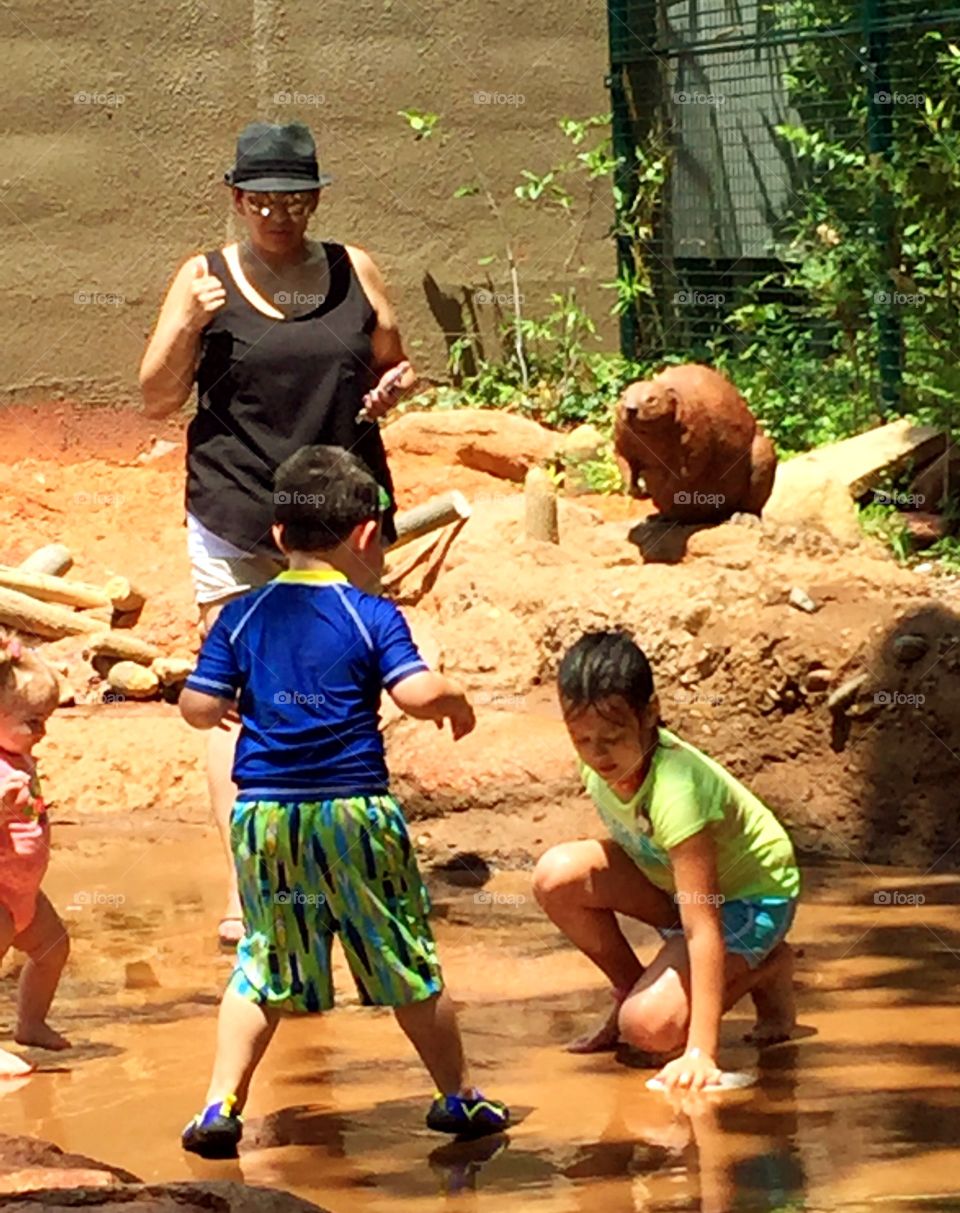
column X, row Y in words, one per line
column 880, row 145
column 625, row 177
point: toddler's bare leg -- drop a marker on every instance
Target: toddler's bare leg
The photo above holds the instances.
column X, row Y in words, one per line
column 244, row 1030
column 11, row 1066
column 431, row 1027
column 47, row 946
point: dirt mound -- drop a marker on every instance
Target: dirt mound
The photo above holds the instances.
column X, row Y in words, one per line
column 744, row 671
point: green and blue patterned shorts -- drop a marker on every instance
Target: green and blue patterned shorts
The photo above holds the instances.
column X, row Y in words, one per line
column 309, row 871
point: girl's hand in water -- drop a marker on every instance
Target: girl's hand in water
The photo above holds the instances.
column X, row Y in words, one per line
column 691, row 1072
column 15, row 790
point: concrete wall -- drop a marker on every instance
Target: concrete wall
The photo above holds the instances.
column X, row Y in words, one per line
column 118, row 121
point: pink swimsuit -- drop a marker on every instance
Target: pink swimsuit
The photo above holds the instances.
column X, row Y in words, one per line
column 24, row 846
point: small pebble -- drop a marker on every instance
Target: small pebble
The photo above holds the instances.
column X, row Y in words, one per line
column 801, row 600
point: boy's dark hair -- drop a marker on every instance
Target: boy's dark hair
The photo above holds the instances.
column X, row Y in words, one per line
column 603, row 664
column 320, row 494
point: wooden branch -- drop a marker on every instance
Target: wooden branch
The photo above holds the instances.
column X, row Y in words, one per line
column 431, row 516
column 45, row 619
column 540, row 498
column 53, row 559
column 123, row 595
column 124, row 646
column 53, row 589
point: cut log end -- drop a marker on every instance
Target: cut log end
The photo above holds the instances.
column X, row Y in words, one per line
column 54, row 559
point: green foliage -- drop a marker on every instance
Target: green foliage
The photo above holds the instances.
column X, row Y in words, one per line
column 884, row 523
column 422, row 123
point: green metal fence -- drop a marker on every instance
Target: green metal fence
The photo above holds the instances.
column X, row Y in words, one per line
column 788, row 186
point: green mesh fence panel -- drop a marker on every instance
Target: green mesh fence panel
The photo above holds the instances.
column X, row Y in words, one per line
column 789, row 186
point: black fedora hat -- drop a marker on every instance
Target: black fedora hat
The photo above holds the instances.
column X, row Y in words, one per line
column 273, row 157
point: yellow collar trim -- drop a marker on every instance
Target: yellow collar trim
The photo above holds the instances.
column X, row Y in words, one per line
column 312, row 576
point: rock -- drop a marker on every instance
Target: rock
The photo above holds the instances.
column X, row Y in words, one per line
column 934, row 483
column 139, row 975
column 29, row 1164
column 807, row 494
column 817, row 681
column 696, row 617
column 583, row 445
column 509, row 764
column 32, row 1179
column 160, row 448
column 172, row 670
column 691, row 437
column 846, row 693
column 925, row 529
column 133, row 681
column 485, row 439
column 801, row 600
column 910, row 647
column 209, row 1197
column 866, row 460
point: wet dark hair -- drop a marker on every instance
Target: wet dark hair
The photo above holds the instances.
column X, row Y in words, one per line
column 320, row 494
column 601, row 665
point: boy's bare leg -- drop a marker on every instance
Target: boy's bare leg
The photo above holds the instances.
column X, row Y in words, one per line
column 431, row 1027
column 244, row 1030
column 774, row 998
column 221, row 745
column 581, row 887
column 47, row 946
column 11, row 1066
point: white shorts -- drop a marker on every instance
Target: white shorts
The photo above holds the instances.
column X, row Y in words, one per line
column 221, row 570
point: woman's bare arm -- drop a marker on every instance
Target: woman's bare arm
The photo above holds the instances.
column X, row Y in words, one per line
column 388, row 350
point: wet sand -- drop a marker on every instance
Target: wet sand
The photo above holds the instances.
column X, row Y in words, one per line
column 859, row 1110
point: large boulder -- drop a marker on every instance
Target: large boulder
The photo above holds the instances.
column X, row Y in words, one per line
column 488, row 440
column 212, row 1197
column 806, row 493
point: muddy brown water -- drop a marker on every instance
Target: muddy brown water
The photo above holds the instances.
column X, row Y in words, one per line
column 860, row 1112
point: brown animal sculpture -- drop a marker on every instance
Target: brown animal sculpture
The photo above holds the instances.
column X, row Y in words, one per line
column 691, row 437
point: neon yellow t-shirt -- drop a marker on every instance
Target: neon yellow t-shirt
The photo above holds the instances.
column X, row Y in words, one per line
column 683, row 793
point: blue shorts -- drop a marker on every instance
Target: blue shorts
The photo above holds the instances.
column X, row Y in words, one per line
column 753, row 927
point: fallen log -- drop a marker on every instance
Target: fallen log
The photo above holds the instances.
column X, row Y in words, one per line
column 45, row 619
column 48, row 588
column 431, row 516
column 53, row 559
column 124, row 646
column 124, row 596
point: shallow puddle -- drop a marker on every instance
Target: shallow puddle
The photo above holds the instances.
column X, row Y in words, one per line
column 859, row 1112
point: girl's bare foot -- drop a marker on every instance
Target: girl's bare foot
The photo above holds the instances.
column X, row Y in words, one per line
column 41, row 1037
column 12, row 1066
column 773, row 997
column 606, row 1037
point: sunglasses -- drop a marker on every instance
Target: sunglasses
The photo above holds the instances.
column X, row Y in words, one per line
column 296, row 203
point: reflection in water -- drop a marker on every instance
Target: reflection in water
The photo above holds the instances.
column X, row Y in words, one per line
column 860, row 1108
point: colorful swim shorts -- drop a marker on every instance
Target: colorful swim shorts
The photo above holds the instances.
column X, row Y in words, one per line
column 309, row 871
column 752, row 927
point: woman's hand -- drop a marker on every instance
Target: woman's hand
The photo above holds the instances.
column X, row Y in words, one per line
column 385, row 395
column 207, row 296
column 691, row 1072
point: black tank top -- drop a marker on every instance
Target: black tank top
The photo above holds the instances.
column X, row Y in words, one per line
column 268, row 387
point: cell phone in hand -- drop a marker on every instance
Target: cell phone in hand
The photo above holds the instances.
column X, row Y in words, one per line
column 392, row 381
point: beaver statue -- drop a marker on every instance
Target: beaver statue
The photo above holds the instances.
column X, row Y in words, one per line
column 690, row 436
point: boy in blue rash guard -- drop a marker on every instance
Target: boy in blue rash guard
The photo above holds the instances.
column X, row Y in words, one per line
column 320, row 845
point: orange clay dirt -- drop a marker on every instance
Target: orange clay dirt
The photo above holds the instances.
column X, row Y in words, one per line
column 741, row 672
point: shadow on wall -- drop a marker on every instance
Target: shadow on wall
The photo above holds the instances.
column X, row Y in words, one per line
column 911, row 772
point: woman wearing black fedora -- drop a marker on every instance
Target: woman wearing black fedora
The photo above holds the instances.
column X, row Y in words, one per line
column 290, row 341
